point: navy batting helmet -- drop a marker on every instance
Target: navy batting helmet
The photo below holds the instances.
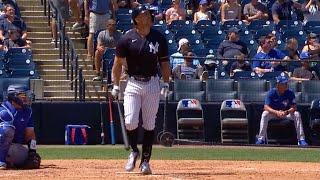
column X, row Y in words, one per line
column 15, row 90
column 140, row 9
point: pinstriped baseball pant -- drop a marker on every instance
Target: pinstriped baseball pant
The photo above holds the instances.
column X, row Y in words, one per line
column 145, row 96
column 267, row 116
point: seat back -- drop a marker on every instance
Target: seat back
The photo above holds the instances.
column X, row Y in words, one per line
column 232, row 108
column 244, row 75
column 192, row 85
column 310, row 86
column 189, row 108
column 252, row 85
column 219, row 85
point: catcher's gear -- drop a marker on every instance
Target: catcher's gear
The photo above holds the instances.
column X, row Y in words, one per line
column 33, row 161
column 20, row 94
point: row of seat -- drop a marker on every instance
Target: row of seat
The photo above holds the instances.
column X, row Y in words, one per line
column 245, row 90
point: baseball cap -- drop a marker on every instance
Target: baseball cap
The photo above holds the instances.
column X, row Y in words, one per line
column 203, row 2
column 282, row 80
column 182, row 42
column 233, row 29
column 209, row 59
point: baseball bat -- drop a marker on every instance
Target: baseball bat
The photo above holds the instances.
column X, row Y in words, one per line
column 113, row 140
column 101, row 125
column 123, row 128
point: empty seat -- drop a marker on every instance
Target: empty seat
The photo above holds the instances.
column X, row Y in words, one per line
column 310, row 90
column 269, row 76
column 220, row 89
column 252, row 90
column 184, row 89
column 244, row 75
column 234, row 122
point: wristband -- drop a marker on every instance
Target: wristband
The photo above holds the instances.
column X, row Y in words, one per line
column 32, row 145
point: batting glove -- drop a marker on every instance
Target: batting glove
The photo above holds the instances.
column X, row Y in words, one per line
column 115, row 91
column 165, row 89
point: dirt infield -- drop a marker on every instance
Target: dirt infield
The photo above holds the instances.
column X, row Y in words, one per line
column 168, row 169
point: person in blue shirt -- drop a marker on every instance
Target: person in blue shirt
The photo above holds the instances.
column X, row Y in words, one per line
column 280, row 104
column 262, row 63
column 16, row 127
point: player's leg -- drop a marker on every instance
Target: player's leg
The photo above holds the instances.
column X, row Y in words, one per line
column 132, row 105
column 296, row 117
column 6, row 137
column 265, row 118
column 149, row 107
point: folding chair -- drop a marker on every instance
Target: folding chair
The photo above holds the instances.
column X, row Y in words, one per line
column 234, row 122
column 190, row 120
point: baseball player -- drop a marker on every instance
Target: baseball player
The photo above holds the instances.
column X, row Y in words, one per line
column 143, row 49
column 280, row 104
column 16, row 126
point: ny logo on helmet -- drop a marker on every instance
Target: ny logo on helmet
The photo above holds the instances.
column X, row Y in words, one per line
column 154, row 48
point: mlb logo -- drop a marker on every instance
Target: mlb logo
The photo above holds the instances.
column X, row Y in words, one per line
column 233, row 104
column 189, row 103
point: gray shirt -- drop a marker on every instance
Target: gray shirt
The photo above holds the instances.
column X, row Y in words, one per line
column 303, row 73
column 108, row 41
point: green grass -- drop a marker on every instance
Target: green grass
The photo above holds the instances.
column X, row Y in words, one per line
column 185, row 153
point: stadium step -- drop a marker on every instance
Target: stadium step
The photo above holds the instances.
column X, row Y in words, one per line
column 78, row 43
column 62, row 72
column 38, row 29
column 54, row 51
column 67, row 82
column 70, row 93
column 72, row 35
column 62, row 76
column 35, row 18
column 46, row 63
column 22, row 3
column 37, row 24
column 32, row 13
column 28, row 7
column 42, row 45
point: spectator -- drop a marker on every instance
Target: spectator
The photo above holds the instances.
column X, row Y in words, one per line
column 274, row 41
column 262, row 63
column 11, row 22
column 305, row 72
column 292, row 53
column 187, row 70
column 312, row 51
column 176, row 12
column 230, row 11
column 210, row 66
column 13, row 40
column 97, row 14
column 62, row 6
column 281, row 10
column 106, row 39
column 255, row 11
column 240, row 65
column 312, row 12
column 124, row 4
column 13, row 4
column 280, row 104
column 203, row 13
column 75, row 7
column 231, row 48
column 177, row 58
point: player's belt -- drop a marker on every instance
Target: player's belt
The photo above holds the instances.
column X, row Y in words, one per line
column 141, row 78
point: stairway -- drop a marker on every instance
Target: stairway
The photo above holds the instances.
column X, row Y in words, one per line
column 56, row 87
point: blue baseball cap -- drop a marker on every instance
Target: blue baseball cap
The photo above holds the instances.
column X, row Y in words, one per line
column 282, row 79
column 203, row 2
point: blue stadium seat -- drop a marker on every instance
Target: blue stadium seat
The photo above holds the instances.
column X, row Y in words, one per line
column 285, row 25
column 312, row 26
column 271, row 75
column 228, row 24
column 180, row 24
column 204, row 25
column 292, row 33
column 260, row 24
column 244, row 75
column 212, row 34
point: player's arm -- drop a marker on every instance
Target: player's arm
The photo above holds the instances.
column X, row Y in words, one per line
column 116, row 69
column 29, row 134
column 165, row 69
column 271, row 110
column 292, row 109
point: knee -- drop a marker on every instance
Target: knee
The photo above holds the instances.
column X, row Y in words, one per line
column 265, row 114
column 6, row 134
column 149, row 127
column 131, row 125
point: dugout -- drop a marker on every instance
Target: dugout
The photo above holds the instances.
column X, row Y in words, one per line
column 51, row 118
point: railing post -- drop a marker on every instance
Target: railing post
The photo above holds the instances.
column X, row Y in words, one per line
column 45, row 11
column 63, row 46
column 80, row 84
column 84, row 90
column 68, row 55
column 76, row 72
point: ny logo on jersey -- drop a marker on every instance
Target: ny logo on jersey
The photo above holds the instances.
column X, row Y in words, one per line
column 153, row 48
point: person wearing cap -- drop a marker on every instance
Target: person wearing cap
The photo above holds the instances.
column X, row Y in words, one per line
column 240, row 65
column 231, row 48
column 255, row 11
column 145, row 51
column 281, row 10
column 262, row 63
column 280, row 104
column 176, row 12
column 177, row 58
column 230, row 11
column 203, row 13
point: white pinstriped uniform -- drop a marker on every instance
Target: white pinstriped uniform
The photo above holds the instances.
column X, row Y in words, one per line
column 144, row 95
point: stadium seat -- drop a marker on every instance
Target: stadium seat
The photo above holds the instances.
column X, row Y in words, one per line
column 234, row 122
column 293, row 85
column 234, row 23
column 253, row 90
column 269, row 76
column 180, row 24
column 213, row 34
column 244, row 75
column 292, row 33
column 314, row 122
column 285, row 25
column 184, row 89
column 312, row 26
column 204, row 25
column 310, row 90
column 260, row 24
column 190, row 120
column 218, row 90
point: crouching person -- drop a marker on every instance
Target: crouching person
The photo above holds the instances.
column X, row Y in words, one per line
column 16, row 129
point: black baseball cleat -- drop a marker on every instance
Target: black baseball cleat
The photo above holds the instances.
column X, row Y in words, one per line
column 133, row 156
column 145, row 168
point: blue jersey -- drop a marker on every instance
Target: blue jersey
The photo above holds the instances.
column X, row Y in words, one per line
column 280, row 102
column 273, row 54
column 20, row 119
column 99, row 6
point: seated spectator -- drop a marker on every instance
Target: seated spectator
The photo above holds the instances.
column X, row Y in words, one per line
column 63, row 7
column 210, row 66
column 11, row 22
column 311, row 10
column 230, row 11
column 255, row 11
column 126, row 4
column 240, row 65
column 262, row 63
column 13, row 4
column 281, row 10
column 292, row 53
column 305, row 72
column 14, row 41
column 75, row 7
column 106, row 39
column 231, row 48
column 176, row 12
column 274, row 41
column 203, row 13
column 312, row 51
column 177, row 58
column 280, row 104
column 187, row 70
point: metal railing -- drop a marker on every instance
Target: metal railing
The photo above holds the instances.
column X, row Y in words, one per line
column 67, row 52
